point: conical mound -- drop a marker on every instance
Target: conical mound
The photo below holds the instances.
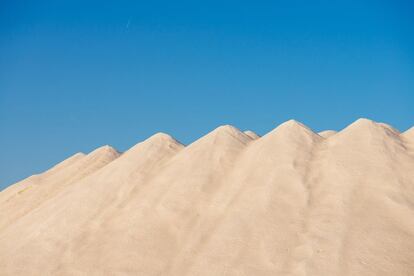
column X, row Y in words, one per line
column 367, row 128
column 223, row 134
column 289, row 203
column 292, row 132
column 368, row 138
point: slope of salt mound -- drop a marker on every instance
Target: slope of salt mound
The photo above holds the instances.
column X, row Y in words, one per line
column 67, row 162
column 390, row 128
column 21, row 185
column 327, row 133
column 31, row 181
column 409, row 134
column 252, row 134
column 30, row 193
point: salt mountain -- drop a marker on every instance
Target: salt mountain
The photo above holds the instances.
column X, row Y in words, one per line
column 292, row 202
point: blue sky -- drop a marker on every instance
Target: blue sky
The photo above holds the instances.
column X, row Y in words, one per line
column 75, row 75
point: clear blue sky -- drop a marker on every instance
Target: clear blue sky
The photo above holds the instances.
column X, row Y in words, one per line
column 75, row 75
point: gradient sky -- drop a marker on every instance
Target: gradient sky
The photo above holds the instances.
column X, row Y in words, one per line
column 75, row 75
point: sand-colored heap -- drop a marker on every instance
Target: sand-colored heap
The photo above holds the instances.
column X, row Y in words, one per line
column 292, row 202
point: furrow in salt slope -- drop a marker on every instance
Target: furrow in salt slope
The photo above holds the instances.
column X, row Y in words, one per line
column 27, row 195
column 159, row 220
column 408, row 138
column 46, row 239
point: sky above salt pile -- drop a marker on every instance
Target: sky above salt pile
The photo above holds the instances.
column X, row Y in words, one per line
column 77, row 75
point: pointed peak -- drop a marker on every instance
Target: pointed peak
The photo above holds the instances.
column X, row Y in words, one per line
column 224, row 133
column 327, row 133
column 224, row 130
column 292, row 122
column 228, row 130
column 369, row 125
column 367, row 128
column 251, row 134
column 291, row 132
column 155, row 144
column 105, row 150
column 77, row 155
column 293, row 127
column 363, row 121
column 161, row 137
column 360, row 124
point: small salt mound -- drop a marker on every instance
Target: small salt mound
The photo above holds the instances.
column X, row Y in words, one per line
column 252, row 134
column 327, row 133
